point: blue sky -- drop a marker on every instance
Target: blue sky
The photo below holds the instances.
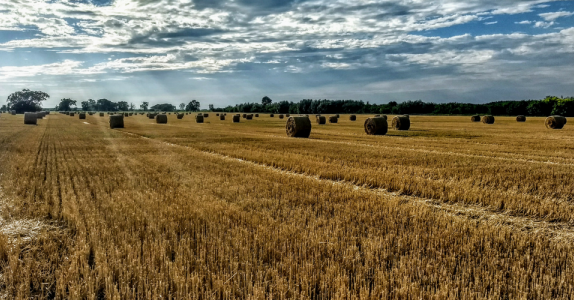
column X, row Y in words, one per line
column 227, row 52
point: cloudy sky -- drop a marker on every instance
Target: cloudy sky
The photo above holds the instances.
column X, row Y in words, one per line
column 226, row 52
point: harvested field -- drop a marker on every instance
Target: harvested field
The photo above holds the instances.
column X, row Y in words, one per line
column 224, row 210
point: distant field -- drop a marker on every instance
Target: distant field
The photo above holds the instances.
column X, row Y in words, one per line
column 222, row 210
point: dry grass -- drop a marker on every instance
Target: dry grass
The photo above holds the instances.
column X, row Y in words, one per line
column 448, row 209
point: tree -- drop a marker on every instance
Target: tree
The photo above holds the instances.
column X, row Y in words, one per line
column 211, row 108
column 193, row 106
column 132, row 106
column 27, row 100
column 163, row 107
column 182, row 106
column 92, row 104
column 107, row 105
column 4, row 108
column 266, row 101
column 66, row 104
column 144, row 105
column 85, row 105
column 123, row 106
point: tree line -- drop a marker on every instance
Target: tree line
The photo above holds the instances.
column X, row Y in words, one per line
column 27, row 100
column 551, row 105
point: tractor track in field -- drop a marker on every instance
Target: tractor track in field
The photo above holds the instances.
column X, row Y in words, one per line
column 559, row 231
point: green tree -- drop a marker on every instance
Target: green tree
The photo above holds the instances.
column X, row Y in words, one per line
column 85, row 105
column 92, row 104
column 123, row 106
column 106, row 105
column 26, row 100
column 144, row 105
column 163, row 107
column 211, row 108
column 266, row 101
column 66, row 104
column 193, row 106
column 182, row 106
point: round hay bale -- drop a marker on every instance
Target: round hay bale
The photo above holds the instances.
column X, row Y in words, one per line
column 206, row 115
column 126, row 115
column 337, row 115
column 244, row 116
column 488, row 119
column 39, row 115
column 271, row 115
column 116, row 121
column 161, row 119
column 13, row 112
column 249, row 117
column 333, row 119
column 82, row 116
column 236, row 118
column 180, row 116
column 217, row 115
column 101, row 114
column 475, row 118
column 298, row 127
column 353, row 118
column 30, row 118
column 280, row 116
column 287, row 115
column 222, row 117
column 376, row 126
column 401, row 123
column 555, row 122
column 521, row 118
column 257, row 115
column 131, row 114
column 321, row 120
column 199, row 118
column 71, row 114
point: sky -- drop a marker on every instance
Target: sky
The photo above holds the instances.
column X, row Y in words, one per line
column 227, row 52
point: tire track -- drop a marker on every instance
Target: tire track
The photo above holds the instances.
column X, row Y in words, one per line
column 560, row 231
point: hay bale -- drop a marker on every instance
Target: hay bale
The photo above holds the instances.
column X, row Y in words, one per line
column 180, row 116
column 337, row 115
column 280, row 116
column 206, row 115
column 126, row 115
column 222, row 117
column 333, row 119
column 287, row 115
column 236, row 118
column 151, row 116
column 488, row 119
column 131, row 114
column 555, row 122
column 30, row 118
column 71, row 114
column 376, row 126
column 82, row 116
column 271, row 115
column 199, row 118
column 161, row 119
column 244, row 116
column 401, row 123
column 116, row 121
column 217, row 115
column 39, row 115
column 353, row 118
column 101, row 114
column 298, row 127
column 521, row 118
column 257, row 115
column 249, row 117
column 321, row 120
column 475, row 118
column 13, row 112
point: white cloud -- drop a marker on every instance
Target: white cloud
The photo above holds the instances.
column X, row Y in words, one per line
column 541, row 24
column 525, row 22
column 552, row 16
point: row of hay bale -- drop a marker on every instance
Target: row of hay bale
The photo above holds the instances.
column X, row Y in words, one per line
column 31, row 118
column 551, row 122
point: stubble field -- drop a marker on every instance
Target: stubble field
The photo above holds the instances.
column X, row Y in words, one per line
column 220, row 210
